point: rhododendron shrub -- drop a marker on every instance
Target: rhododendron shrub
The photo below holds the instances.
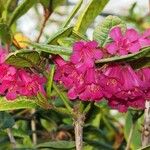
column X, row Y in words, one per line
column 118, row 83
column 70, row 81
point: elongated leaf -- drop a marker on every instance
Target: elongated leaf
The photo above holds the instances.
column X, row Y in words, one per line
column 50, row 80
column 57, row 145
column 89, row 13
column 23, row 58
column 63, row 32
column 66, row 41
column 21, row 10
column 5, row 33
column 131, row 57
column 136, row 136
column 101, row 32
column 52, row 49
column 19, row 103
column 72, row 14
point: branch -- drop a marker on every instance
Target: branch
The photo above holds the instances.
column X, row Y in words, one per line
column 11, row 138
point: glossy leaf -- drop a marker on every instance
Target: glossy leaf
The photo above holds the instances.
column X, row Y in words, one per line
column 52, row 49
column 50, row 80
column 57, row 145
column 66, row 41
column 101, row 32
column 73, row 13
column 5, row 33
column 6, row 120
column 89, row 13
column 21, row 10
column 19, row 103
column 136, row 136
column 23, row 58
column 127, row 58
column 62, row 32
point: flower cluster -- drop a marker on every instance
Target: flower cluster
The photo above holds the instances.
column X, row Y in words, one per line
column 119, row 84
column 129, row 42
column 15, row 82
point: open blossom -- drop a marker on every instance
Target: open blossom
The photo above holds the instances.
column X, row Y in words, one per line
column 123, row 88
column 31, row 83
column 144, row 75
column 16, row 82
column 84, row 54
column 80, row 85
column 123, row 43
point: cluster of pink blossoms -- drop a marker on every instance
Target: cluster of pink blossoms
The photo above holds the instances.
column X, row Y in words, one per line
column 15, row 82
column 122, row 86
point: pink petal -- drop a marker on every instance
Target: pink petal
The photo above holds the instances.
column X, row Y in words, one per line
column 72, row 94
column 112, row 48
column 146, row 34
column 75, row 57
column 91, row 44
column 11, row 95
column 116, row 34
column 77, row 46
column 123, row 51
column 98, row 54
column 131, row 35
column 135, row 47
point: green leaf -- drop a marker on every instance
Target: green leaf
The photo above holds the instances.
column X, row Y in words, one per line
column 127, row 58
column 19, row 103
column 57, row 145
column 66, row 41
column 49, row 125
column 42, row 101
column 21, row 10
column 5, row 33
column 23, row 58
column 6, row 120
column 50, row 80
column 52, row 49
column 90, row 12
column 73, row 13
column 140, row 63
column 62, row 32
column 136, row 136
column 101, row 32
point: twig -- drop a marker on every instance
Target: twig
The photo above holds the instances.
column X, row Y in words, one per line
column 11, row 138
column 33, row 128
column 78, row 129
column 146, row 127
column 47, row 13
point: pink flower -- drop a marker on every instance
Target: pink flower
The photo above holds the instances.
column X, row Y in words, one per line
column 123, row 43
column 122, row 87
column 31, row 83
column 145, row 38
column 84, row 55
column 144, row 75
column 9, row 84
column 80, row 85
